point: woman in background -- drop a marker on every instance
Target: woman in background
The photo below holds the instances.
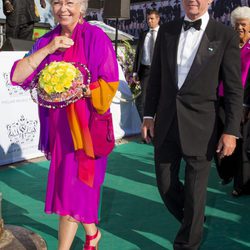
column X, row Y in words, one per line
column 237, row 166
column 75, row 175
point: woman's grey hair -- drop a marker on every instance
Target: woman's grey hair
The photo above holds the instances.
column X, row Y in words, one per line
column 240, row 13
column 84, row 6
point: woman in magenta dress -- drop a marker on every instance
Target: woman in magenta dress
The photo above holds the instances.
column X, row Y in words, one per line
column 75, row 174
column 237, row 166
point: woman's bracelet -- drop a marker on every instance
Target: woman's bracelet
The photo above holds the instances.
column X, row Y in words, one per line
column 30, row 64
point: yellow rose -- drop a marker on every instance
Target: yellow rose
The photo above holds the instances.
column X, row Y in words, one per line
column 46, row 77
column 59, row 88
column 48, row 89
column 71, row 72
column 67, row 82
column 59, row 72
column 54, row 80
column 64, row 67
column 51, row 70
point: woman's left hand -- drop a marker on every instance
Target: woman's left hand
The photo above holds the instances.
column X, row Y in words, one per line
column 86, row 91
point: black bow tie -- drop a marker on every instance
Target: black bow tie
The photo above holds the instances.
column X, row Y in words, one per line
column 196, row 25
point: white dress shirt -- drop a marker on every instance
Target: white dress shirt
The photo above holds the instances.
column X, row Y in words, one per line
column 187, row 48
column 146, row 46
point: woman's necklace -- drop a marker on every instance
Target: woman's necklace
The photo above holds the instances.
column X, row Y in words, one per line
column 241, row 45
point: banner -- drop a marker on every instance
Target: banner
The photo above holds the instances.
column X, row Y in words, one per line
column 19, row 127
column 2, row 16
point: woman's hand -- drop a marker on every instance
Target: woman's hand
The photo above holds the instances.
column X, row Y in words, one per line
column 86, row 91
column 59, row 43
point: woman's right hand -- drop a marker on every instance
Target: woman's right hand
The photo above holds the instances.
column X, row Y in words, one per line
column 59, row 43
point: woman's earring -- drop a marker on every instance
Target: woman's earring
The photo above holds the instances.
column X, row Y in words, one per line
column 80, row 21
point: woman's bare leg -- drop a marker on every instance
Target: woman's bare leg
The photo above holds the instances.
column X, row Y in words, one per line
column 67, row 231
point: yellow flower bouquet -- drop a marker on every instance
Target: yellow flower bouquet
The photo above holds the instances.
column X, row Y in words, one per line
column 59, row 84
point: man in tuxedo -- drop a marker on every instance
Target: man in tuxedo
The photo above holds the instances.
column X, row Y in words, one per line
column 21, row 17
column 191, row 56
column 143, row 57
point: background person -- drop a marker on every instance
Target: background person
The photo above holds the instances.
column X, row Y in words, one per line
column 21, row 17
column 143, row 57
column 237, row 166
column 76, row 174
column 182, row 96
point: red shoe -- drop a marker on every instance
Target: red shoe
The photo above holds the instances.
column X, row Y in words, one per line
column 88, row 239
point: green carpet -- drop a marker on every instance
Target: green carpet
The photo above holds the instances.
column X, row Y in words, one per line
column 132, row 214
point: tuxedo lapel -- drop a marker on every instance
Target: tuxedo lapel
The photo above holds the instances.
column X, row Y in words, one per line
column 172, row 39
column 206, row 50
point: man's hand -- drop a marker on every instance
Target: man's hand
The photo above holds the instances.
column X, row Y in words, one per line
column 43, row 4
column 136, row 79
column 8, row 7
column 226, row 145
column 147, row 129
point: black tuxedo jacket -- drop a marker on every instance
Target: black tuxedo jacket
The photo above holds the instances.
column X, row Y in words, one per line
column 247, row 91
column 138, row 54
column 196, row 102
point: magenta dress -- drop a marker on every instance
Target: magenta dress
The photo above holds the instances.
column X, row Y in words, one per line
column 66, row 193
column 245, row 66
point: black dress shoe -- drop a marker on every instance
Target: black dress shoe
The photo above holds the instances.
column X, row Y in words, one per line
column 237, row 192
column 226, row 181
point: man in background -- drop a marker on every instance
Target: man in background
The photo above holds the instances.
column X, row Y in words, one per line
column 21, row 17
column 143, row 57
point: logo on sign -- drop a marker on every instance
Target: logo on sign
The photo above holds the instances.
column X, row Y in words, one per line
column 13, row 91
column 22, row 131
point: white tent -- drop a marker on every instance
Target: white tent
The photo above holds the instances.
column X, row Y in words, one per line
column 110, row 31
